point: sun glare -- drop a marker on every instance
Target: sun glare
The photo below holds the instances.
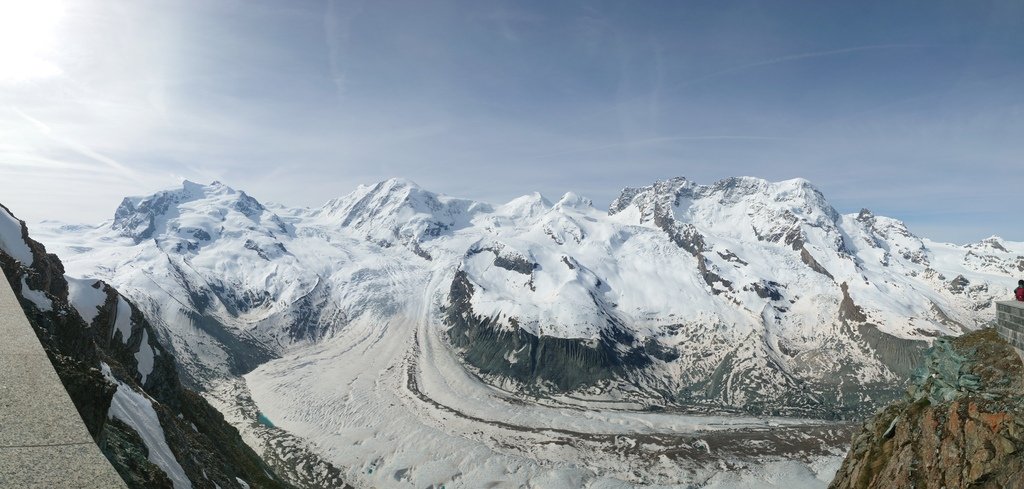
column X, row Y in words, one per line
column 28, row 39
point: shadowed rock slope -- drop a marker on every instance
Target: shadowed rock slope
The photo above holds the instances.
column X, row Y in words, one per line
column 960, row 425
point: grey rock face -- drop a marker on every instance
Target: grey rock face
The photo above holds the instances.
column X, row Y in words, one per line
column 536, row 362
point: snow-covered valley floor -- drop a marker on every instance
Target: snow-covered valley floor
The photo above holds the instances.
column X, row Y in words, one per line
column 391, row 405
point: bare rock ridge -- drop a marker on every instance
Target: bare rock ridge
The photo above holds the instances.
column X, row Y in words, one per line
column 961, row 423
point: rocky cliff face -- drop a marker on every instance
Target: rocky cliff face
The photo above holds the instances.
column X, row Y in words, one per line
column 960, row 425
column 124, row 383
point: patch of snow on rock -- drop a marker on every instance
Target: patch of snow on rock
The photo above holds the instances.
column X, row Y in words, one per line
column 85, row 298
column 36, row 297
column 144, row 357
column 11, row 241
column 123, row 323
column 137, row 411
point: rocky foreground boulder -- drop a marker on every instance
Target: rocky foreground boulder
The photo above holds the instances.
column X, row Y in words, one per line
column 960, row 425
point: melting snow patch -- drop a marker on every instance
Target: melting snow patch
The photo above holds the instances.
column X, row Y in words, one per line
column 105, row 370
column 144, row 357
column 137, row 411
column 36, row 297
column 11, row 241
column 84, row 298
column 124, row 319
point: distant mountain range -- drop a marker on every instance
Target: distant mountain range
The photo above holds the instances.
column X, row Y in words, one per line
column 744, row 295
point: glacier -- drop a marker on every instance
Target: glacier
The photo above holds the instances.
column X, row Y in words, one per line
column 687, row 333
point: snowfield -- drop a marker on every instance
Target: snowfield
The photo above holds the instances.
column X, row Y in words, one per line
column 690, row 336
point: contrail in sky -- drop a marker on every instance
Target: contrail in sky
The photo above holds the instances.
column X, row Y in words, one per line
column 796, row 57
column 83, row 150
column 665, row 139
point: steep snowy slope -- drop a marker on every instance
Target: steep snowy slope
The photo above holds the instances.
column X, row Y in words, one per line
column 205, row 264
column 399, row 212
column 745, row 294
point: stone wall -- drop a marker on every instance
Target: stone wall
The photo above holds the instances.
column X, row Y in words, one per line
column 43, row 440
column 1010, row 323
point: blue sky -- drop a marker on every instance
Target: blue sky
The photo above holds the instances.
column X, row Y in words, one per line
column 912, row 109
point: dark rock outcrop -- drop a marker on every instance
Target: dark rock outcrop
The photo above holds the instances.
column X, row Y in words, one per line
column 536, row 361
column 128, row 454
column 960, row 425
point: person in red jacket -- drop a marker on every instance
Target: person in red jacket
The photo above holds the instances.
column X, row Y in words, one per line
column 1019, row 291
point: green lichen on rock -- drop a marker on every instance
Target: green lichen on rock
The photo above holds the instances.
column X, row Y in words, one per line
column 945, row 376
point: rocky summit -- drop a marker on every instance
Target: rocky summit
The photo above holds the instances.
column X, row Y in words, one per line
column 960, row 425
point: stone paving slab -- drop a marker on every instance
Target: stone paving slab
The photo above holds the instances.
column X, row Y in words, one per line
column 34, row 407
column 16, row 336
column 43, row 441
column 61, row 466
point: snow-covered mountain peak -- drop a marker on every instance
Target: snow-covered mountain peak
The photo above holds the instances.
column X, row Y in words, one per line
column 886, row 227
column 399, row 210
column 528, row 206
column 370, row 201
column 200, row 211
column 865, row 215
column 790, row 212
column 572, row 200
column 991, row 243
column 213, row 187
column 645, row 198
column 797, row 195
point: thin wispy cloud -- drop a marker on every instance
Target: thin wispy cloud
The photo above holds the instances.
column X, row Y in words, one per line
column 300, row 102
column 338, row 18
column 119, row 168
column 657, row 141
column 795, row 57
